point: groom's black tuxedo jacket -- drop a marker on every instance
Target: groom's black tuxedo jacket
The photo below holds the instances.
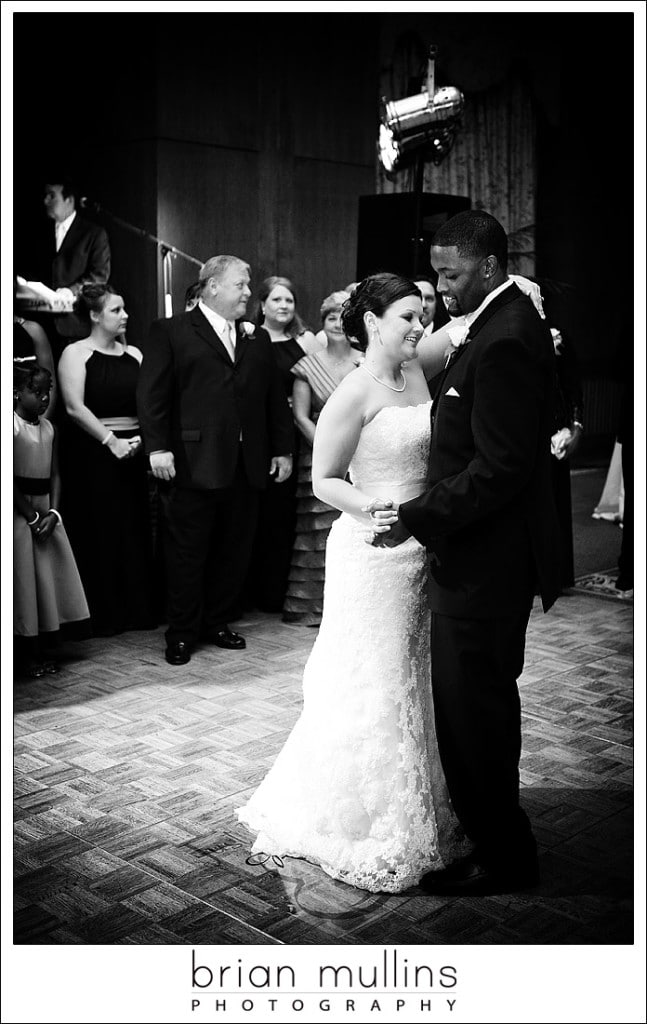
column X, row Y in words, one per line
column 193, row 401
column 487, row 517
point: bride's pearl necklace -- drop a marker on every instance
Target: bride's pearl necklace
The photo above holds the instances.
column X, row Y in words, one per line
column 391, row 387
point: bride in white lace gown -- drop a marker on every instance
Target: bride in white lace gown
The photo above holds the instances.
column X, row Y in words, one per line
column 358, row 787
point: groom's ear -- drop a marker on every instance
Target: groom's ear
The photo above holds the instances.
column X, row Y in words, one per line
column 490, row 266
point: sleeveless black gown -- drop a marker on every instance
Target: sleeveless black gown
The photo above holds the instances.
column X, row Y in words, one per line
column 106, row 505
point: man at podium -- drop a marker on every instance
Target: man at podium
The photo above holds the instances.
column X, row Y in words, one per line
column 64, row 257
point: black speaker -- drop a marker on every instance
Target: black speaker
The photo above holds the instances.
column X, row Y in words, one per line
column 395, row 231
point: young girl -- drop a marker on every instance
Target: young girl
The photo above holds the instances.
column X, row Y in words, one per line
column 47, row 587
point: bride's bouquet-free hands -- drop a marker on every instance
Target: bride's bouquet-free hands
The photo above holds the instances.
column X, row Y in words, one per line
column 387, row 530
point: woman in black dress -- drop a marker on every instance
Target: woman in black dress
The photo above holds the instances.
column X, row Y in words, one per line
column 107, row 510
column 267, row 578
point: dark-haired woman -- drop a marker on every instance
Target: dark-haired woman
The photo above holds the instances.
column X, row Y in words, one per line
column 107, row 505
column 358, row 787
column 267, row 578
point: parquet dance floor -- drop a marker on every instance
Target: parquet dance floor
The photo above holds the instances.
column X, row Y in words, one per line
column 128, row 770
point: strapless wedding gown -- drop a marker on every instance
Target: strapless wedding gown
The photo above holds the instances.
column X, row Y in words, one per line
column 358, row 787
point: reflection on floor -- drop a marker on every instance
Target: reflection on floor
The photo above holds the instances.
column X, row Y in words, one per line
column 128, row 770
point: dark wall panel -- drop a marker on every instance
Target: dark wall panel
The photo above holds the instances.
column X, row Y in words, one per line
column 334, row 99
column 325, row 229
column 206, row 73
column 206, row 206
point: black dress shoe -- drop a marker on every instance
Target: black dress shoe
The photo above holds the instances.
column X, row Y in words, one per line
column 228, row 639
column 177, row 653
column 470, row 878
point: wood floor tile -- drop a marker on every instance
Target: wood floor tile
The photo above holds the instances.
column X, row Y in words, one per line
column 110, row 925
column 129, row 773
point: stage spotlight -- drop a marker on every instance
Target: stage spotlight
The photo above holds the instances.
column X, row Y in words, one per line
column 427, row 121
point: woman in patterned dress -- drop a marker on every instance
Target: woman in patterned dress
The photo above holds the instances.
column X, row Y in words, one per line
column 317, row 376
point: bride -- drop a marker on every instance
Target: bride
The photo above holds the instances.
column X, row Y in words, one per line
column 358, row 787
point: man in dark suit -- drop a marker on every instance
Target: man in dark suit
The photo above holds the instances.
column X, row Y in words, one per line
column 75, row 253
column 488, row 521
column 217, row 427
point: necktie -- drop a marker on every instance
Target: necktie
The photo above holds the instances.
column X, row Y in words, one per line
column 230, row 340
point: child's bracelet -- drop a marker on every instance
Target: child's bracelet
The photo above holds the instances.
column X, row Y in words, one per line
column 34, row 520
column 56, row 513
column 109, row 436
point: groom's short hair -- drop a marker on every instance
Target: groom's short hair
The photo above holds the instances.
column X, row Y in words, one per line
column 476, row 234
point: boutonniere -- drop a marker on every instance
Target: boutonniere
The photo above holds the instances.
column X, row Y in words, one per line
column 557, row 340
column 458, row 335
column 246, row 329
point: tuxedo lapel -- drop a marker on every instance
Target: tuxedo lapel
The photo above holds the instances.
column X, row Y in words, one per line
column 202, row 327
column 51, row 241
column 242, row 344
column 453, row 358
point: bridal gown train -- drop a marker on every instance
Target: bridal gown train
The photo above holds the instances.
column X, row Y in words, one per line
column 358, row 787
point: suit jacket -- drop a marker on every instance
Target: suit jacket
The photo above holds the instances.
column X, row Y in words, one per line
column 487, row 516
column 192, row 400
column 84, row 258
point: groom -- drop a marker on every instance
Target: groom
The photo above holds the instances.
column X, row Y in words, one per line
column 489, row 524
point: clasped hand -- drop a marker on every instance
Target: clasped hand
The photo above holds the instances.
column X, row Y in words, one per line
column 123, row 447
column 388, row 530
column 44, row 526
column 281, row 468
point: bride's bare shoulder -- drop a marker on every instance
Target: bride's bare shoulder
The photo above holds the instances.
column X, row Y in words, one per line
column 349, row 398
column 351, row 387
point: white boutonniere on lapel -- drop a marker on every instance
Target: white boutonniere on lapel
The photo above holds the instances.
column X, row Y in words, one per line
column 458, row 335
column 246, row 329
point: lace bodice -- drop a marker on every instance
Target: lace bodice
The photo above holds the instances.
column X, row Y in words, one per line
column 392, row 454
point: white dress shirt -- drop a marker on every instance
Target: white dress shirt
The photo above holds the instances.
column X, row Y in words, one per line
column 225, row 330
column 62, row 228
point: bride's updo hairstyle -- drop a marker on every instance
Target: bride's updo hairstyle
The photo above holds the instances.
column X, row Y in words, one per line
column 373, row 295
